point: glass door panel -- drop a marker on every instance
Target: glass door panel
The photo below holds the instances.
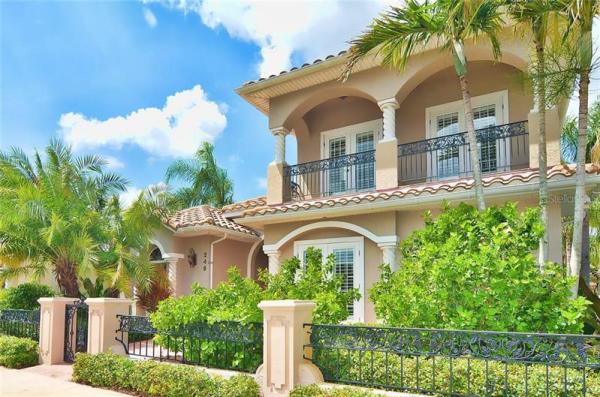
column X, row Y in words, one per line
column 365, row 173
column 344, row 266
column 337, row 175
column 448, row 163
column 484, row 117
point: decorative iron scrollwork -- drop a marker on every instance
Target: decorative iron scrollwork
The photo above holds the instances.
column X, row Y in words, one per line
column 347, row 160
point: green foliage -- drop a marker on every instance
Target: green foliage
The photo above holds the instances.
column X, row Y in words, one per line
column 317, row 391
column 401, row 373
column 237, row 299
column 570, row 134
column 475, row 270
column 150, row 378
column 61, row 214
column 24, row 296
column 18, row 352
column 316, row 282
column 208, row 183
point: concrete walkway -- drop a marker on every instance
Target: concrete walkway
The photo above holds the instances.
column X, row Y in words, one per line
column 46, row 381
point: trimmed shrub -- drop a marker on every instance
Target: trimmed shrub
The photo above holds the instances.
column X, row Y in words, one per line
column 18, row 352
column 150, row 378
column 25, row 296
column 475, row 270
column 317, row 391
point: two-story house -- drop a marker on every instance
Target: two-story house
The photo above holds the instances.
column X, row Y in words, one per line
column 375, row 152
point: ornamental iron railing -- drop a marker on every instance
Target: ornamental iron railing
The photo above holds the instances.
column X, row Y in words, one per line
column 457, row 363
column 501, row 148
column 21, row 323
column 226, row 345
column 76, row 329
column 329, row 177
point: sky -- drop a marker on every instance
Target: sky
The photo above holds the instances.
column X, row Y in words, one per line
column 145, row 82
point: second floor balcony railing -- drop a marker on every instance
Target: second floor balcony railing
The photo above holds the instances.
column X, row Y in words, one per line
column 328, row 177
column 501, row 148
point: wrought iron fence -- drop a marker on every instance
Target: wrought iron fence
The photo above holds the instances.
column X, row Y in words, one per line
column 501, row 148
column 336, row 175
column 22, row 323
column 457, row 363
column 227, row 345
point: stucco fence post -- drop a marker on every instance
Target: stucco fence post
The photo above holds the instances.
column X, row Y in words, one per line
column 285, row 336
column 103, row 324
column 52, row 329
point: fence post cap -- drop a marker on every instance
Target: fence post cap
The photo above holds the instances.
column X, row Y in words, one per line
column 57, row 299
column 287, row 304
column 109, row 300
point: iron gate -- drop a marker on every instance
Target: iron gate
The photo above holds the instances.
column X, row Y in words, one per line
column 76, row 329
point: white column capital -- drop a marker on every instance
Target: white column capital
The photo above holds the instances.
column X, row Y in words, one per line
column 280, row 131
column 390, row 103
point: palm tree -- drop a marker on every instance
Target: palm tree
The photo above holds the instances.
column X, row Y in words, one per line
column 61, row 213
column 401, row 31
column 208, row 183
column 581, row 14
column 534, row 17
column 570, row 136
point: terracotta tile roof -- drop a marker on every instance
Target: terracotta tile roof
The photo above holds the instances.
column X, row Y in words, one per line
column 205, row 215
column 316, row 61
column 416, row 190
column 246, row 204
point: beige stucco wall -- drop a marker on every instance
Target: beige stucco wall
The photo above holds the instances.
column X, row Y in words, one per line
column 187, row 275
column 443, row 87
column 334, row 113
column 229, row 253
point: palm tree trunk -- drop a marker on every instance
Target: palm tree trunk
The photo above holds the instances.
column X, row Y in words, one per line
column 66, row 278
column 472, row 138
column 579, row 213
column 542, row 153
column 585, row 249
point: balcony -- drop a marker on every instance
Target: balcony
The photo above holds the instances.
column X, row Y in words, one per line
column 329, row 177
column 501, row 148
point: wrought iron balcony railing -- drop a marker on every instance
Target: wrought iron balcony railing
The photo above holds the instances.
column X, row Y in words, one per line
column 337, row 175
column 501, row 148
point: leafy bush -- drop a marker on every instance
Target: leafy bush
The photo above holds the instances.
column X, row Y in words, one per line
column 475, row 270
column 150, row 378
column 468, row 376
column 18, row 352
column 237, row 299
column 317, row 391
column 24, row 296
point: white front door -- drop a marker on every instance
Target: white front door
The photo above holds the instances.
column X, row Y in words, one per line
column 349, row 262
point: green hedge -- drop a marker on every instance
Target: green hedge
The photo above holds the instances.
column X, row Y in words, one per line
column 18, row 352
column 317, row 391
column 24, row 296
column 405, row 373
column 150, row 378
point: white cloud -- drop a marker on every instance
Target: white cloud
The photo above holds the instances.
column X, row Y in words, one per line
column 187, row 119
column 262, row 182
column 150, row 17
column 132, row 193
column 310, row 29
column 113, row 163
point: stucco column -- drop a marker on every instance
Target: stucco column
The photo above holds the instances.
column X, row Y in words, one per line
column 274, row 259
column 389, row 255
column 388, row 107
column 275, row 181
column 52, row 329
column 386, row 150
column 103, row 324
column 279, row 133
column 172, row 260
column 285, row 336
column 553, row 129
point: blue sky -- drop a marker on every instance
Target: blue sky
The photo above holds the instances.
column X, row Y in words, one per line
column 143, row 83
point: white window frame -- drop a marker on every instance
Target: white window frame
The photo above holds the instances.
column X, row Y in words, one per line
column 350, row 132
column 359, row 264
column 498, row 98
